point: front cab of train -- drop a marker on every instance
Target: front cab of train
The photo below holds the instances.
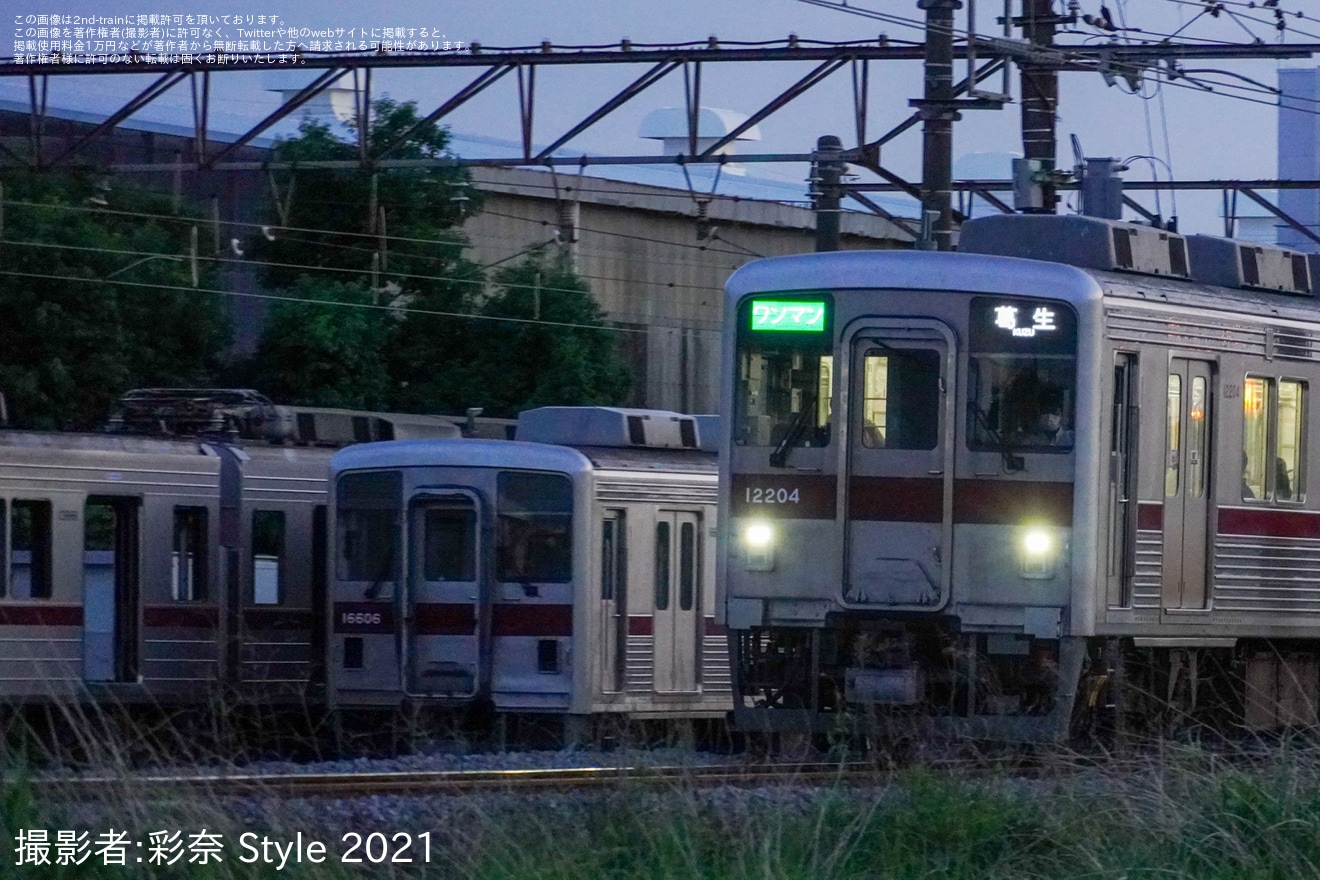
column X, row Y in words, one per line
column 899, row 486
column 452, row 574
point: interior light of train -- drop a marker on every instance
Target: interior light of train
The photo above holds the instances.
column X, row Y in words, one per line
column 800, row 316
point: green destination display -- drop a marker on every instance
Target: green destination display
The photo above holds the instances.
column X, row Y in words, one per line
column 800, row 316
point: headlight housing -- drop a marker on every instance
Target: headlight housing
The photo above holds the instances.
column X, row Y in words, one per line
column 1038, row 551
column 758, row 538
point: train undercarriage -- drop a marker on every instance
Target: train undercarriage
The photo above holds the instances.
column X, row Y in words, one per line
column 927, row 679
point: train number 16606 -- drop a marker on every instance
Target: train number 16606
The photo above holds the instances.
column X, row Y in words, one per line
column 757, row 495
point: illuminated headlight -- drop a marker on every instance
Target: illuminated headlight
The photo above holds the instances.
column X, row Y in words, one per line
column 759, row 542
column 1038, row 553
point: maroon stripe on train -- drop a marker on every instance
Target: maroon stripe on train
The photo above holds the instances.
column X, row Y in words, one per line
column 366, row 618
column 531, row 620
column 1150, row 516
column 714, row 628
column 277, row 618
column 1267, row 522
column 896, row 499
column 41, row 615
column 771, row 495
column 975, row 502
column 641, row 626
column 1009, row 502
column 445, row 619
column 181, row 616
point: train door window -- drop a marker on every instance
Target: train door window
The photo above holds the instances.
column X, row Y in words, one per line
column 29, row 550
column 369, row 511
column 189, row 559
column 687, row 566
column 267, row 557
column 534, row 528
column 451, row 544
column 613, row 557
column 1173, row 438
column 662, row 566
column 1197, row 437
column 901, row 398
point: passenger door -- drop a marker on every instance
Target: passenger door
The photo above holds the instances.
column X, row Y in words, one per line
column 678, row 567
column 613, row 599
column 111, row 588
column 1188, row 439
column 444, row 615
column 898, row 482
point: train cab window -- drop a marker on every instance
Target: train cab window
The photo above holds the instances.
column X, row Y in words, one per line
column 267, row 557
column 188, row 558
column 1022, row 375
column 901, row 398
column 785, row 374
column 29, row 569
column 368, row 517
column 534, row 527
column 1273, row 439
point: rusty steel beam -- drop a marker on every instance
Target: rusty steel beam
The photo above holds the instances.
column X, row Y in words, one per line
column 318, row 85
column 142, row 99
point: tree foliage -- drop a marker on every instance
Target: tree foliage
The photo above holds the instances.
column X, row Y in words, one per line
column 341, row 232
column 69, row 348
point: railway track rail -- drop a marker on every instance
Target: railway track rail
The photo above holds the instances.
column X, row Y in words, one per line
column 350, row 785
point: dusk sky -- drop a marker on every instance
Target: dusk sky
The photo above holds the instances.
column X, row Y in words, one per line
column 1209, row 135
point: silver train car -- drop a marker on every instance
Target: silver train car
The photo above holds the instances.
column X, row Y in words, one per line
column 569, row 573
column 172, row 570
column 1058, row 480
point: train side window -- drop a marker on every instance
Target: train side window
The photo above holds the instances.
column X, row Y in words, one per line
column 662, row 566
column 30, row 550
column 267, row 557
column 901, row 399
column 1273, row 439
column 1290, row 457
column 535, row 527
column 189, row 558
column 1257, row 404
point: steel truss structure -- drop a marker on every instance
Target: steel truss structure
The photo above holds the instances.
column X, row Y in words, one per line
column 984, row 56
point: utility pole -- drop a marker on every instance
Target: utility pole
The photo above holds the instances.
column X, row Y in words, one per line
column 827, row 196
column 938, row 115
column 1040, row 101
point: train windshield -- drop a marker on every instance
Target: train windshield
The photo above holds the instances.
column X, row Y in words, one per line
column 1023, row 375
column 369, row 515
column 785, row 373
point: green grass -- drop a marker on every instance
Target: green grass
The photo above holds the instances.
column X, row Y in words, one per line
column 1182, row 814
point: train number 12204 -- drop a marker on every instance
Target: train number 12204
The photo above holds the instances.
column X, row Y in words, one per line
column 758, row 495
